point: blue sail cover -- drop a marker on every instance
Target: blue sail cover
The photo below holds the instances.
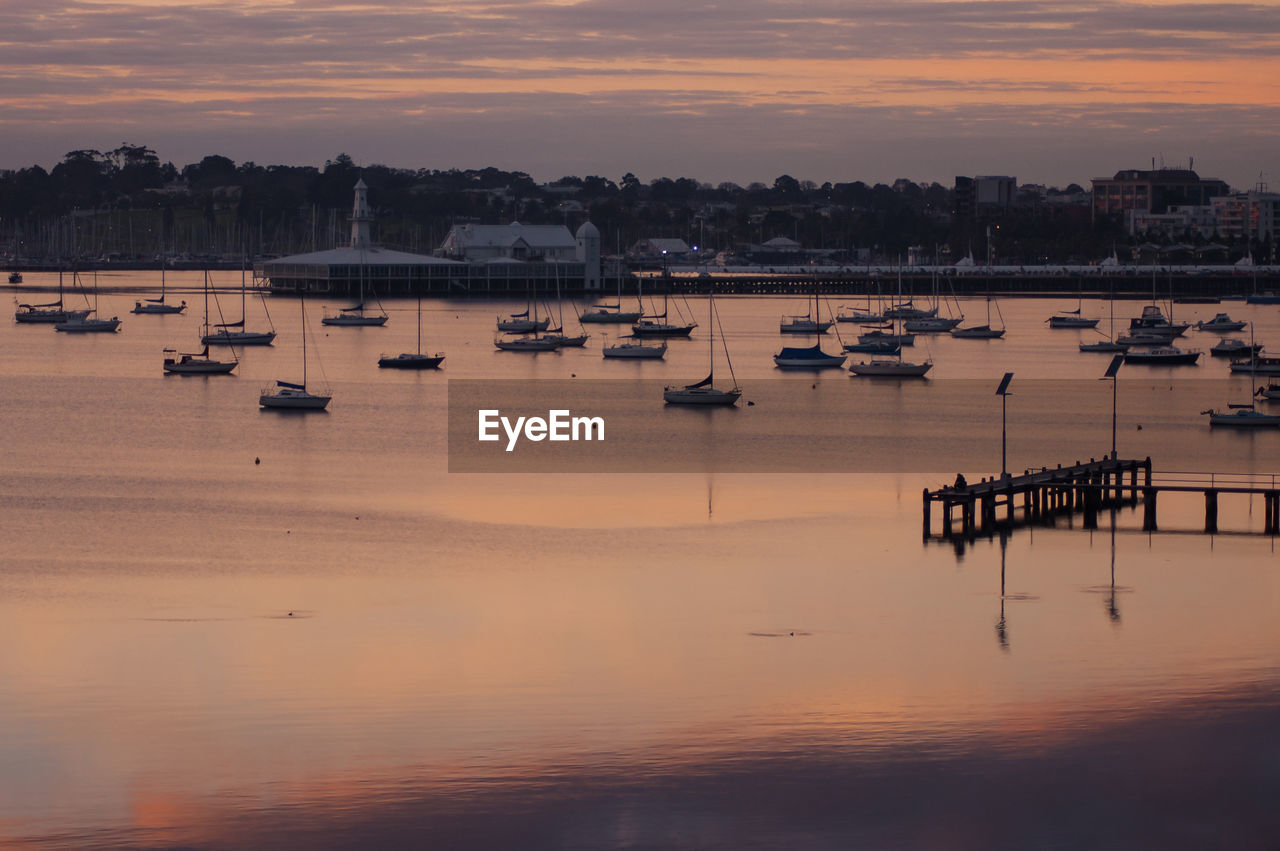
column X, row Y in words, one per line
column 703, row 383
column 811, row 353
column 291, row 386
column 239, row 324
column 519, row 315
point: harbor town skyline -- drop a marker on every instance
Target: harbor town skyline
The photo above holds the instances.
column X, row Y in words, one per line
column 1052, row 93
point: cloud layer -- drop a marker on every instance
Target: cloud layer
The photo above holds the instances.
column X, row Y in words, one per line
column 737, row 91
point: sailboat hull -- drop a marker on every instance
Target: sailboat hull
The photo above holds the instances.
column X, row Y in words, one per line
column 1071, row 322
column 523, row 326
column 409, row 360
column 634, row 351
column 978, row 332
column 161, row 309
column 656, row 329
column 609, row 318
column 239, row 338
column 198, row 366
column 890, row 369
column 350, row 321
column 48, row 316
column 706, row 396
column 803, row 326
column 83, row 325
column 293, row 400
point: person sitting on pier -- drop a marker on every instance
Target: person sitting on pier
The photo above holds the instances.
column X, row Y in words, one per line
column 960, row 484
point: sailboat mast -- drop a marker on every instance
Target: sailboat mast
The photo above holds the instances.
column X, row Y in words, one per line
column 711, row 333
column 302, row 307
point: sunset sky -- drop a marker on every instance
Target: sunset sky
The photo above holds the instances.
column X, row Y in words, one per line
column 737, row 90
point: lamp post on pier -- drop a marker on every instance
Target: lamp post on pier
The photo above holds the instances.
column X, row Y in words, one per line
column 1003, row 392
column 1111, row 373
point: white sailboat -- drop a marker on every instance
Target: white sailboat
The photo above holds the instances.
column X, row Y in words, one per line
column 810, row 322
column 234, row 333
column 705, row 392
column 49, row 312
column 557, row 335
column 635, row 350
column 611, row 314
column 286, row 395
column 88, row 322
column 355, row 316
column 1111, row 344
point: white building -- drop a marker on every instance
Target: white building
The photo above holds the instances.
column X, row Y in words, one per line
column 1243, row 216
column 511, row 242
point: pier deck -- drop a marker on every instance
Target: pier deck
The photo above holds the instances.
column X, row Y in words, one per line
column 1087, row 488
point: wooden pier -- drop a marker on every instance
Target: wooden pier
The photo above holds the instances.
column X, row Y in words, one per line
column 1085, row 488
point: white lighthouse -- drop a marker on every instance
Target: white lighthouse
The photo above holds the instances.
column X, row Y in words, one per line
column 361, row 218
column 588, row 237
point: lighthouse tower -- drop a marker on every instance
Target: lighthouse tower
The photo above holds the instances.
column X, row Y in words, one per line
column 588, row 237
column 361, row 218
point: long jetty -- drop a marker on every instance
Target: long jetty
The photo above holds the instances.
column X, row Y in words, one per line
column 1086, row 488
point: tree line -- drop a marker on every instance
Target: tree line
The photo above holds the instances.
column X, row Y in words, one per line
column 128, row 204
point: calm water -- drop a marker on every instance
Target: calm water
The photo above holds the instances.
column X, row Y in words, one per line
column 344, row 644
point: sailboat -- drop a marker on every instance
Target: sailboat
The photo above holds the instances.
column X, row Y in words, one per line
column 557, row 335
column 637, row 350
column 1242, row 416
column 88, row 322
column 933, row 322
column 227, row 335
column 1111, row 344
column 48, row 312
column 810, row 357
column 158, row 305
column 295, row 397
column 658, row 326
column 520, row 323
column 611, row 313
column 982, row 332
column 199, row 363
column 1073, row 318
column 355, row 316
column 413, row 360
column 805, row 323
column 891, row 367
column 705, row 392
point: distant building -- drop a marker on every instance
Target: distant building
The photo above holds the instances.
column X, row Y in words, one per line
column 477, row 258
column 994, row 193
column 657, row 248
column 514, row 241
column 983, row 195
column 1241, row 216
column 359, row 265
column 962, row 198
column 1154, row 191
